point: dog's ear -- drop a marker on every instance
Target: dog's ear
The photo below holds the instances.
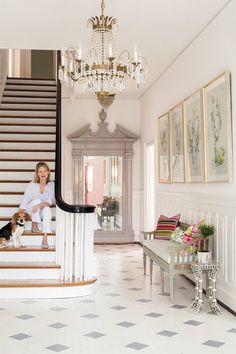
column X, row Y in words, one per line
column 27, row 217
column 14, row 218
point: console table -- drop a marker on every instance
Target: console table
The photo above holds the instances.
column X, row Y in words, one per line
column 211, row 270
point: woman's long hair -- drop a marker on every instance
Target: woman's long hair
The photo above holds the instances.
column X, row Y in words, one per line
column 41, row 164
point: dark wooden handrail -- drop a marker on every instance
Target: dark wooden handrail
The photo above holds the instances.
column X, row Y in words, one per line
column 78, row 208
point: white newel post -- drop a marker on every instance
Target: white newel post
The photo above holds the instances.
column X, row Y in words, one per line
column 74, row 245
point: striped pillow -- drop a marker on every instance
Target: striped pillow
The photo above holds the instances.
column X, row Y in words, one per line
column 165, row 226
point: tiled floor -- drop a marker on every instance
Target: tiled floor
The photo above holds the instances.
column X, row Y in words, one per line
column 125, row 315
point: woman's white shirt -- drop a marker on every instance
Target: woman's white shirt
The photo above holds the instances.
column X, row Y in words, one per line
column 33, row 192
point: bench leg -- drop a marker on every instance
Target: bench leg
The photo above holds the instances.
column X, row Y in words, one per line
column 162, row 280
column 151, row 269
column 171, row 282
column 144, row 263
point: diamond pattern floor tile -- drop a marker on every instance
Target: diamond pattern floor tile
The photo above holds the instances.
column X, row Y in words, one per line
column 94, row 335
column 20, row 336
column 25, row 317
column 58, row 325
column 153, row 314
column 193, row 323
column 167, row 333
column 136, row 345
column 126, row 324
column 90, row 315
column 213, row 343
column 58, row 348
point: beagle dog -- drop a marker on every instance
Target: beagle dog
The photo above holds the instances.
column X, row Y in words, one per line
column 14, row 229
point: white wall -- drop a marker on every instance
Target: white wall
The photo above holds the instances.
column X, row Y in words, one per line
column 3, row 69
column 76, row 113
column 213, row 52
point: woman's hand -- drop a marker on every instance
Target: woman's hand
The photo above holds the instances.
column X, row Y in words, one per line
column 36, row 207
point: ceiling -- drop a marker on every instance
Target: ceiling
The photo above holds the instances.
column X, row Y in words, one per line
column 162, row 29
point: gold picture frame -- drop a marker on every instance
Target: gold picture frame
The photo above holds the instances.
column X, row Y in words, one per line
column 218, row 129
column 163, row 139
column 177, row 148
column 194, row 138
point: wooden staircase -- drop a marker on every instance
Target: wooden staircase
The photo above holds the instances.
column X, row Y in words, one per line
column 27, row 135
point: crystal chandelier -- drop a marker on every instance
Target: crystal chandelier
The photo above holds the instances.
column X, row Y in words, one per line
column 102, row 71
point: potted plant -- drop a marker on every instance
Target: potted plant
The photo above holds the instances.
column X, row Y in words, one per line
column 207, row 231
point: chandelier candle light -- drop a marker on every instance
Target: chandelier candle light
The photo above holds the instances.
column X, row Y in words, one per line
column 102, row 71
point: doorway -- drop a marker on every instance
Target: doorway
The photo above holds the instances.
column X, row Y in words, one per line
column 149, row 191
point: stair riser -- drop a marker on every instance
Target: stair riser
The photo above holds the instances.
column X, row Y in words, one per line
column 30, row 87
column 11, row 198
column 12, row 176
column 20, row 273
column 13, row 186
column 27, row 113
column 38, row 156
column 22, row 256
column 28, row 99
column 28, row 146
column 19, row 128
column 23, row 164
column 28, row 225
column 4, row 211
column 37, row 240
column 23, row 120
column 31, row 82
column 22, row 136
column 28, row 93
column 46, row 107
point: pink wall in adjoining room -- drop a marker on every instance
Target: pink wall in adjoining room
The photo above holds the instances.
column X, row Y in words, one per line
column 96, row 196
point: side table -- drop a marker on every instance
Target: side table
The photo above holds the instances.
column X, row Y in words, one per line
column 211, row 270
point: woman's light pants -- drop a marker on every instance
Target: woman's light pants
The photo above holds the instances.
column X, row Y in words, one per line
column 43, row 215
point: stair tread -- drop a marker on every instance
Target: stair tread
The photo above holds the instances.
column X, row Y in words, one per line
column 8, row 218
column 27, row 150
column 28, row 249
column 14, row 205
column 11, row 193
column 12, row 265
column 19, row 170
column 27, row 117
column 19, row 283
column 30, row 233
column 28, row 141
column 27, row 125
column 24, row 160
column 26, row 132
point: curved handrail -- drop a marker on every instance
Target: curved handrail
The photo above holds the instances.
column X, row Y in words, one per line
column 78, row 208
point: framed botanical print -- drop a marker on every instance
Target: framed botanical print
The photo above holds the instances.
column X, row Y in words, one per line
column 194, row 138
column 177, row 143
column 217, row 114
column 164, row 148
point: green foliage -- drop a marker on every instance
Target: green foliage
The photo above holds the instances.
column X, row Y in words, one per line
column 206, row 230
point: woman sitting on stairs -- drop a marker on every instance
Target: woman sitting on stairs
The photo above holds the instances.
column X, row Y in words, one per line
column 38, row 198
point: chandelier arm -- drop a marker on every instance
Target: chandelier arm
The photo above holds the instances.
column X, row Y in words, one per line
column 124, row 51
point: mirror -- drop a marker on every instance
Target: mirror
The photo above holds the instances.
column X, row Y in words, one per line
column 103, row 188
column 103, row 177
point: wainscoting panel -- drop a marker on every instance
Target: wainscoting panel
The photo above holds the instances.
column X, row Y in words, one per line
column 218, row 211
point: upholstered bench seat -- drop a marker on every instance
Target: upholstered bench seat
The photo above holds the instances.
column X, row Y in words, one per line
column 163, row 248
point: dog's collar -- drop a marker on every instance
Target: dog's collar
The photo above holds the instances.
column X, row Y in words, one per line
column 19, row 224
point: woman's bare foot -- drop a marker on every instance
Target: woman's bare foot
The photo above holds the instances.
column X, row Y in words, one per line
column 45, row 241
column 35, row 228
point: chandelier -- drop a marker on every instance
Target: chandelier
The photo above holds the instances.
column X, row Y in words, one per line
column 102, row 71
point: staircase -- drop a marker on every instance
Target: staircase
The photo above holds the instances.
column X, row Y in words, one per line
column 27, row 135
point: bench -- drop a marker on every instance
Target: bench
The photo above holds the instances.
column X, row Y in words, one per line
column 172, row 258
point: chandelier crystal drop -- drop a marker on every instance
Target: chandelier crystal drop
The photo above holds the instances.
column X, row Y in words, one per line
column 102, row 71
